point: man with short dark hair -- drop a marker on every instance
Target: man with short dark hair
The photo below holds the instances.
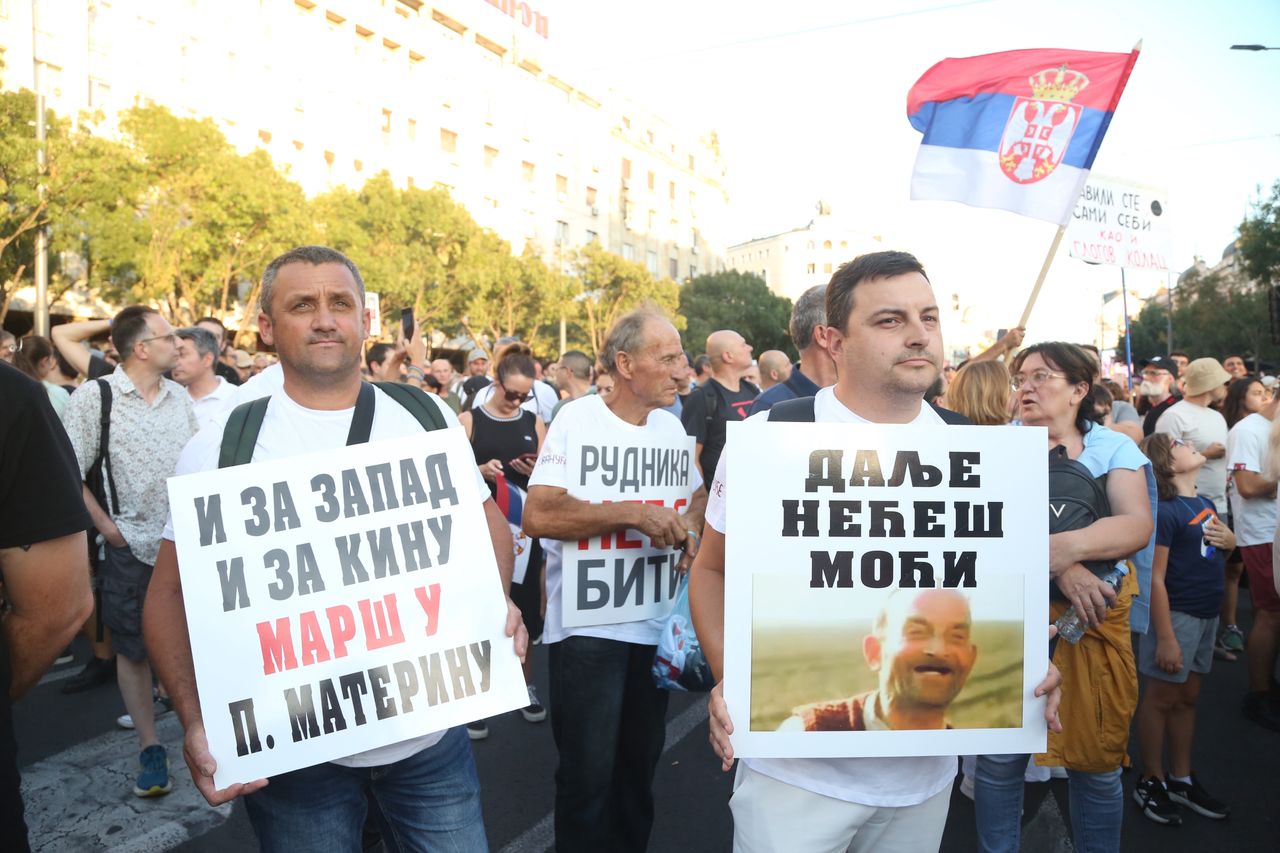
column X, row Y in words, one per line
column 150, row 421
column 815, row 369
column 210, row 394
column 887, row 342
column 701, row 369
column 607, row 715
column 382, row 362
column 1181, row 359
column 1235, row 366
column 215, row 327
column 426, row 786
column 725, row 396
column 43, row 560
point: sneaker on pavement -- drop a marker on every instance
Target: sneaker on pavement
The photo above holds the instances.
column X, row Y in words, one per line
column 1196, row 798
column 1257, row 707
column 67, row 656
column 534, row 712
column 479, row 730
column 163, row 706
column 97, row 671
column 1152, row 797
column 1233, row 638
column 154, row 780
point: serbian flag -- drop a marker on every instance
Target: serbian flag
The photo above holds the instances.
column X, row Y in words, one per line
column 1015, row 130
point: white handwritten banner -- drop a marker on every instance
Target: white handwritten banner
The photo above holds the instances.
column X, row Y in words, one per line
column 341, row 601
column 623, row 577
column 886, row 589
column 1121, row 224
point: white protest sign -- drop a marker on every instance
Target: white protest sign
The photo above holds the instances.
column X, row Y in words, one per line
column 621, row 577
column 886, row 589
column 341, row 601
column 373, row 301
column 1121, row 224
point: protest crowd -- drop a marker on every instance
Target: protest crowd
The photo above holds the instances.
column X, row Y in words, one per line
column 102, row 414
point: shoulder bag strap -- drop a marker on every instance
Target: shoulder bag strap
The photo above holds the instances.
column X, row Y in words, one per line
column 240, row 435
column 416, row 401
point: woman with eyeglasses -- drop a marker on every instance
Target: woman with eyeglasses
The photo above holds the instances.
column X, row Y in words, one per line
column 1052, row 383
column 505, row 439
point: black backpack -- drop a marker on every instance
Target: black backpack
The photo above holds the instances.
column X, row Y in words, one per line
column 240, row 435
column 1076, row 500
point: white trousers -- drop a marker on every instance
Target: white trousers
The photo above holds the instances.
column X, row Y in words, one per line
column 773, row 817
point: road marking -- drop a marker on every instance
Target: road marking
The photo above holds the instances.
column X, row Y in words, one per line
column 82, row 798
column 542, row 835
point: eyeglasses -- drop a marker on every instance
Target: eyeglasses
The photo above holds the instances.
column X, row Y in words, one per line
column 516, row 396
column 172, row 337
column 1035, row 378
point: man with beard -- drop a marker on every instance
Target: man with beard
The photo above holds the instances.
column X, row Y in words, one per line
column 922, row 650
column 1159, row 387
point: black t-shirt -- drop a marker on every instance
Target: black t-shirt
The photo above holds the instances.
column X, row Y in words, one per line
column 706, row 411
column 40, row 497
column 1154, row 413
column 227, row 372
column 99, row 366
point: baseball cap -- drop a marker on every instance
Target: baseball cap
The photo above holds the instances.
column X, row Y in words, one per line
column 1161, row 362
column 1204, row 374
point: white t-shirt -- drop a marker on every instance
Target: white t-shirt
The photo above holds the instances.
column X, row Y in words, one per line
column 290, row 430
column 1201, row 426
column 878, row 782
column 1254, row 518
column 543, row 402
column 221, row 399
column 589, row 415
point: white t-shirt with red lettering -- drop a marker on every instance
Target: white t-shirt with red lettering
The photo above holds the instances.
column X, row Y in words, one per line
column 878, row 782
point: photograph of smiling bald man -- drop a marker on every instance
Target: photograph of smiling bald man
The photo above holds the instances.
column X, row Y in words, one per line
column 909, row 660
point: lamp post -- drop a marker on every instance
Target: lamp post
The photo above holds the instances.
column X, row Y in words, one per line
column 1252, row 47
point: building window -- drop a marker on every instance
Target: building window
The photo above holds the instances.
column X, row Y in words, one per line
column 386, row 120
column 652, row 181
column 626, row 122
column 844, row 244
column 490, row 156
column 809, row 245
column 359, row 164
column 826, row 267
column 526, row 171
column 628, row 252
column 693, row 271
column 626, row 169
column 448, row 141
column 826, row 244
column 651, row 262
column 674, row 270
column 591, row 196
column 811, row 268
column 649, row 226
column 593, row 237
column 562, row 185
column 265, row 136
column 328, row 157
column 562, row 233
column 671, row 190
column 412, row 127
column 690, row 162
column 693, row 199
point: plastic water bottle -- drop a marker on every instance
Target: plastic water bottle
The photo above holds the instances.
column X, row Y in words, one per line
column 1071, row 626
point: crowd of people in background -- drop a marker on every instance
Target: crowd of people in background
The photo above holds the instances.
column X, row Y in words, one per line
column 1190, row 456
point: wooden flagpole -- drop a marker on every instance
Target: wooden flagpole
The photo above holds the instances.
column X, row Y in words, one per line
column 1044, row 271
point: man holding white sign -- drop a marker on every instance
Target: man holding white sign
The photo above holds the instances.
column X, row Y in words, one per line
column 352, row 702
column 617, row 498
column 885, row 338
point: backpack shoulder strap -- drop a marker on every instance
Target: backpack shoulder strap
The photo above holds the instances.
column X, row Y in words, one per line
column 240, row 435
column 800, row 410
column 415, row 401
column 951, row 418
column 104, row 441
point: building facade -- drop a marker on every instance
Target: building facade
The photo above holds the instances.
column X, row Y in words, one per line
column 792, row 262
column 466, row 95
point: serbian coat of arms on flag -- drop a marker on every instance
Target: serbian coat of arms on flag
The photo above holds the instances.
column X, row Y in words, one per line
column 1017, row 130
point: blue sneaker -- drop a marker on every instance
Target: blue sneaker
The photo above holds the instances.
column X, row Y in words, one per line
column 153, row 781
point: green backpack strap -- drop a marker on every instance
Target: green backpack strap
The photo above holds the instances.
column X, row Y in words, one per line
column 417, row 403
column 240, row 435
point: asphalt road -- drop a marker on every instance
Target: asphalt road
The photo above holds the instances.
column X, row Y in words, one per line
column 78, row 769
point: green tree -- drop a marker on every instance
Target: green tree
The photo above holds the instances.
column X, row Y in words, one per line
column 607, row 286
column 739, row 301
column 1259, row 243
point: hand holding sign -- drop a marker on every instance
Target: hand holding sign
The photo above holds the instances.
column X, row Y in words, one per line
column 195, row 749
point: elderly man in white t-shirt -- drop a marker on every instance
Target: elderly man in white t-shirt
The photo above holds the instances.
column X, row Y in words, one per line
column 607, row 715
column 313, row 311
column 885, row 338
column 1193, row 421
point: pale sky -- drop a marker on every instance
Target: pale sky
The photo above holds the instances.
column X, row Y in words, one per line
column 809, row 100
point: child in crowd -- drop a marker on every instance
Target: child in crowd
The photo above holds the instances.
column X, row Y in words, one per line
column 1177, row 650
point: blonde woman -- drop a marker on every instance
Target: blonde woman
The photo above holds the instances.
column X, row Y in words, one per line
column 980, row 391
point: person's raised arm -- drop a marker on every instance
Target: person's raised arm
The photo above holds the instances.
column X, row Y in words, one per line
column 1005, row 346
column 47, row 587
column 70, row 338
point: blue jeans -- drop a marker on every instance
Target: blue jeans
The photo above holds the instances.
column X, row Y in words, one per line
column 609, row 723
column 1097, row 806
column 428, row 801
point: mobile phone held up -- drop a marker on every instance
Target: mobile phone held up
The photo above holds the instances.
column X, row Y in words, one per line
column 406, row 323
